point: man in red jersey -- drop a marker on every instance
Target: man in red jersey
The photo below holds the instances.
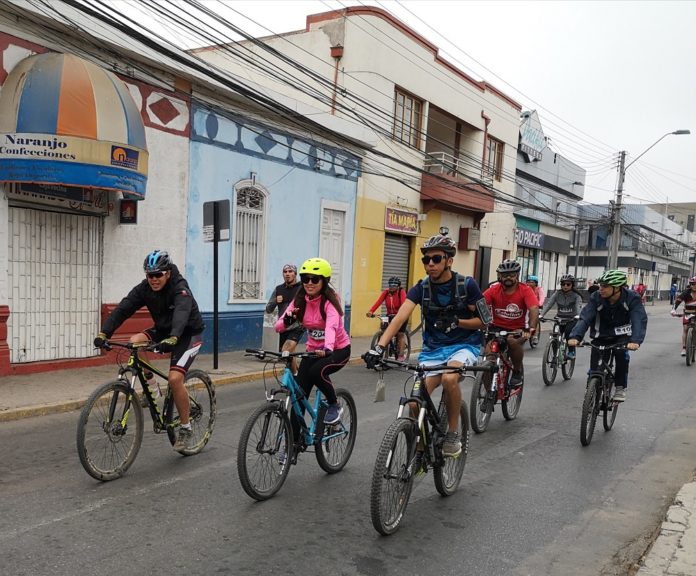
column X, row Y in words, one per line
column 509, row 302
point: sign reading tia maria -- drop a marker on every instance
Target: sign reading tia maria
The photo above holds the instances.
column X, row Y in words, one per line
column 399, row 220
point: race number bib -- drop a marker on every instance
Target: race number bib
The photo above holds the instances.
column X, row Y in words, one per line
column 624, row 330
column 317, row 334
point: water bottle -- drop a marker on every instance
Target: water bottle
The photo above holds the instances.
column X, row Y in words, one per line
column 153, row 385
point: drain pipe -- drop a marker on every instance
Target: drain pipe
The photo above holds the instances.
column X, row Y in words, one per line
column 486, row 122
column 336, row 54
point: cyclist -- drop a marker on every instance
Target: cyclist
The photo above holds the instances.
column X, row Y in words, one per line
column 569, row 303
column 533, row 283
column 617, row 314
column 282, row 295
column 510, row 302
column 393, row 297
column 178, row 327
column 688, row 296
column 317, row 307
column 450, row 327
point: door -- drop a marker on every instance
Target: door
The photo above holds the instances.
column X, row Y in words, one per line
column 332, row 241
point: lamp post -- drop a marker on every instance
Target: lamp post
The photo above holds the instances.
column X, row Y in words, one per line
column 616, row 209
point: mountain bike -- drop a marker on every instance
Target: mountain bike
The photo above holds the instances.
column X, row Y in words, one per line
column 110, row 428
column 690, row 340
column 598, row 394
column 556, row 353
column 397, row 463
column 392, row 349
column 491, row 388
column 268, row 446
column 536, row 338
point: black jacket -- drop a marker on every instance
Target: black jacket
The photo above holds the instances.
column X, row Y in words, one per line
column 626, row 318
column 287, row 292
column 173, row 308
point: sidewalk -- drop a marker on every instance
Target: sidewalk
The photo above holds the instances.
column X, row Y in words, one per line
column 672, row 554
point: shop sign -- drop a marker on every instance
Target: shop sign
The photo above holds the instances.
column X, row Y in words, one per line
column 529, row 238
column 399, row 220
column 532, row 139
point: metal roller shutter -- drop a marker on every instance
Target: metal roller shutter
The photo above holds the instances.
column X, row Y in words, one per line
column 396, row 258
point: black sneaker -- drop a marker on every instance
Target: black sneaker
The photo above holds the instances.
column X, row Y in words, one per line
column 516, row 379
column 183, row 440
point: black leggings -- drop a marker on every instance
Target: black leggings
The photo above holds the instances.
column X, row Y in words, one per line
column 316, row 371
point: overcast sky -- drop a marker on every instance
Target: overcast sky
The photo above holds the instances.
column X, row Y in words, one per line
column 604, row 76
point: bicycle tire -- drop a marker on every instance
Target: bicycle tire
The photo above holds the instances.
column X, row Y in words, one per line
column 479, row 391
column 448, row 473
column 693, row 346
column 107, row 448
column 590, row 409
column 689, row 346
column 407, row 345
column 375, row 339
column 511, row 404
column 549, row 366
column 336, row 445
column 568, row 366
column 202, row 411
column 609, row 413
column 266, row 433
column 392, row 481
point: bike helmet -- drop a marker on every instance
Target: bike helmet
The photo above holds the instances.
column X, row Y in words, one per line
column 533, row 278
column 317, row 266
column 157, row 261
column 508, row 266
column 440, row 242
column 615, row 278
column 692, row 280
column 394, row 282
column 567, row 278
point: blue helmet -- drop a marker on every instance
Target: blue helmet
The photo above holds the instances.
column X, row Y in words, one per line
column 533, row 278
column 157, row 261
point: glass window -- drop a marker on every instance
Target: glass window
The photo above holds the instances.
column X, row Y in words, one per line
column 408, row 112
column 494, row 159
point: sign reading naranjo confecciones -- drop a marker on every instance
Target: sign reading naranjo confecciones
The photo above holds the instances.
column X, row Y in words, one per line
column 398, row 220
column 529, row 238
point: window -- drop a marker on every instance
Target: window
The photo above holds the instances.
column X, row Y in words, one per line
column 408, row 112
column 494, row 159
column 249, row 230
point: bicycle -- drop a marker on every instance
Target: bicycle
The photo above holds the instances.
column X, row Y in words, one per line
column 267, row 447
column 397, row 464
column 536, row 338
column 110, row 427
column 598, row 394
column 556, row 353
column 488, row 390
column 690, row 340
column 392, row 349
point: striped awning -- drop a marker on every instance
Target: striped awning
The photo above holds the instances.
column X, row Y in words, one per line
column 66, row 121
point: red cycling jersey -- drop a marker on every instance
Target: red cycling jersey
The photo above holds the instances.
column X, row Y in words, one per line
column 392, row 302
column 509, row 310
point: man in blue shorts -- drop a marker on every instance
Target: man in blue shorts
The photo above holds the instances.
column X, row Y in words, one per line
column 451, row 326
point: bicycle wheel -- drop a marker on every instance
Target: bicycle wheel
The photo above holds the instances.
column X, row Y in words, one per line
column 568, row 366
column 690, row 346
column 202, row 411
column 590, row 408
column 265, row 438
column 448, row 473
column 480, row 409
column 407, row 345
column 511, row 404
column 549, row 366
column 375, row 339
column 110, row 431
column 609, row 411
column 392, row 480
column 336, row 445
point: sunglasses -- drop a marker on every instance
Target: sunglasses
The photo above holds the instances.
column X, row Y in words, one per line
column 566, row 283
column 436, row 259
column 692, row 283
column 313, row 279
column 508, row 274
column 154, row 274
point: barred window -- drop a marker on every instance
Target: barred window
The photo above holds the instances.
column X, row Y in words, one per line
column 248, row 243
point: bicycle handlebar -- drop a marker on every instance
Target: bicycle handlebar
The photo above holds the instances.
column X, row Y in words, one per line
column 422, row 368
column 285, row 355
column 145, row 346
column 558, row 319
column 616, row 346
column 500, row 333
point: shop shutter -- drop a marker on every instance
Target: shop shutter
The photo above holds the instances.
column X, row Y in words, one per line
column 396, row 259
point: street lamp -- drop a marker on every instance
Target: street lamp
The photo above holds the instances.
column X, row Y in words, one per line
column 616, row 209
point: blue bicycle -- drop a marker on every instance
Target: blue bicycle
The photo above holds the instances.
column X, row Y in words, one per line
column 267, row 446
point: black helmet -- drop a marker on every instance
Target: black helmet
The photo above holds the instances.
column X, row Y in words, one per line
column 394, row 282
column 508, row 266
column 440, row 242
column 567, row 278
column 157, row 261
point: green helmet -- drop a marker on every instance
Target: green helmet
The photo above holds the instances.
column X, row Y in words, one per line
column 616, row 278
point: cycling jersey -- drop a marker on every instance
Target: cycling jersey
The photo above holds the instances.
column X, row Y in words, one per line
column 509, row 310
column 689, row 299
column 392, row 301
column 569, row 303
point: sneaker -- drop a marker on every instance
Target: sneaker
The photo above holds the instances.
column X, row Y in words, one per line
column 333, row 414
column 183, row 440
column 683, row 352
column 452, row 446
column 516, row 378
column 419, row 464
column 402, row 358
column 619, row 394
column 571, row 354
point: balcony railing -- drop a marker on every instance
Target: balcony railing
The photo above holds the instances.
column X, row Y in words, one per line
column 461, row 168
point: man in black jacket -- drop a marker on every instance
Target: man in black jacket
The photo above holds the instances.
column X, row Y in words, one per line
column 178, row 327
column 282, row 296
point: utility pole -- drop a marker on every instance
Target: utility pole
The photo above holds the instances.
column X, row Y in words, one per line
column 616, row 215
column 577, row 247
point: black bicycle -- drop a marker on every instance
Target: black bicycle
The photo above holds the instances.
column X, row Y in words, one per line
column 110, row 428
column 598, row 394
column 398, row 462
column 690, row 340
column 556, row 353
column 391, row 350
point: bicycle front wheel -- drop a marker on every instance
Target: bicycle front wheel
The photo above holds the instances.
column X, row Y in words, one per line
column 392, row 478
column 568, row 366
column 690, row 344
column 511, row 405
column 265, row 452
column 549, row 366
column 110, row 431
column 610, row 410
column 448, row 473
column 375, row 339
column 590, row 408
column 481, row 406
column 336, row 445
column 202, row 411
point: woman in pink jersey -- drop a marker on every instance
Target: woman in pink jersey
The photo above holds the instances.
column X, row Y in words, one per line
column 316, row 306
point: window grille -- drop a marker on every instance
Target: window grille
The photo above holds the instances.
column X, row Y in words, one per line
column 248, row 243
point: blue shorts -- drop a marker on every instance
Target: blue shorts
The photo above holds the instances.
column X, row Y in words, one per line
column 463, row 353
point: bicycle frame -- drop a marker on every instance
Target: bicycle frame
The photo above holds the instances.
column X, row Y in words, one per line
column 499, row 348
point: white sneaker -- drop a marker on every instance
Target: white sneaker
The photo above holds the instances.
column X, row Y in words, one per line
column 619, row 394
column 683, row 352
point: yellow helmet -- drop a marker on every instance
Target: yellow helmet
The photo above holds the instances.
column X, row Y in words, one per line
column 317, row 266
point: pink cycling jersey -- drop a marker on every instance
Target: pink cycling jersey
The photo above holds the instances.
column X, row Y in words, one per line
column 323, row 334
